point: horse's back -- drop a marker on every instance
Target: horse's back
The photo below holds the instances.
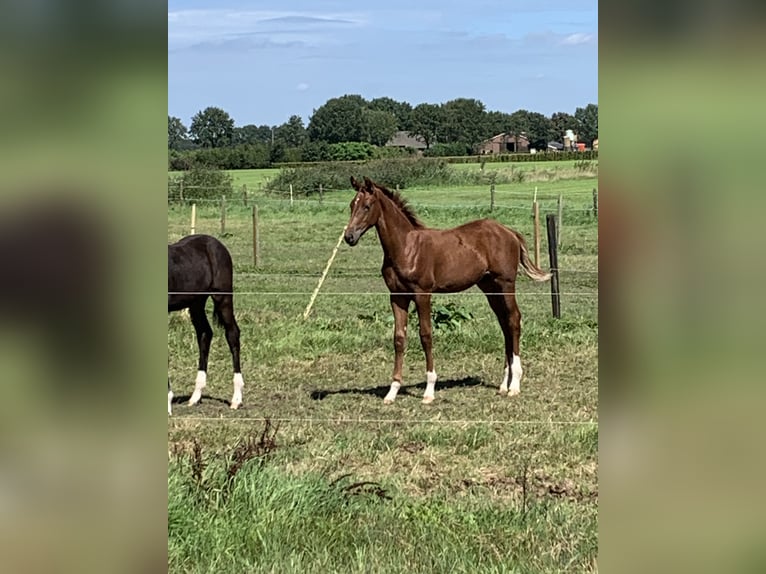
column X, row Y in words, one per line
column 197, row 264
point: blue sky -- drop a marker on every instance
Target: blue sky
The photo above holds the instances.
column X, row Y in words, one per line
column 265, row 60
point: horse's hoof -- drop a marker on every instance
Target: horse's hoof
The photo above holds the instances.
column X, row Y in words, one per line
column 234, row 406
column 502, row 392
column 388, row 401
column 514, row 392
column 428, row 400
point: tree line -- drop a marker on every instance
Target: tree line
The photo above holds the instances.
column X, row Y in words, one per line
column 351, row 127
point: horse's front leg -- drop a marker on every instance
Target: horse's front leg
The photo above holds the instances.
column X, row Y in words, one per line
column 400, row 305
column 423, row 305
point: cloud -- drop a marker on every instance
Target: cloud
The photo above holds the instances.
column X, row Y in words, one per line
column 217, row 26
column 577, row 38
column 307, row 20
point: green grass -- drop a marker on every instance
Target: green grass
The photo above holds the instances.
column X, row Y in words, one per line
column 477, row 482
column 252, row 178
column 269, row 520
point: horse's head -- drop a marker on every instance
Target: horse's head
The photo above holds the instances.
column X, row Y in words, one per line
column 365, row 210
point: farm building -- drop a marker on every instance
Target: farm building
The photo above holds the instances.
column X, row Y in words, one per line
column 404, row 140
column 504, row 143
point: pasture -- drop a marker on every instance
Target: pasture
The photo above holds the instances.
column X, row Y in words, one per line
column 338, row 481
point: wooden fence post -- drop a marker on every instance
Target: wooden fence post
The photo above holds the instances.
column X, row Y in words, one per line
column 560, row 220
column 223, row 214
column 255, row 236
column 181, row 189
column 492, row 196
column 194, row 219
column 244, row 194
column 536, row 218
column 554, row 261
column 291, row 195
column 320, row 193
column 595, row 203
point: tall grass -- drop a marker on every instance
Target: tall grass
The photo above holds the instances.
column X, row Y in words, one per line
column 262, row 519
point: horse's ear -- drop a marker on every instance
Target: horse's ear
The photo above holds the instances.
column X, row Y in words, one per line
column 368, row 185
column 355, row 184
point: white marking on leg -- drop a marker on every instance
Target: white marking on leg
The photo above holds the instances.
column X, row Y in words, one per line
column 199, row 384
column 428, row 396
column 239, row 383
column 516, row 372
column 170, row 400
column 504, row 385
column 391, row 396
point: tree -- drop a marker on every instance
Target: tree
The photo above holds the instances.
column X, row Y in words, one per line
column 212, row 128
column 496, row 123
column 426, row 120
column 177, row 134
column 561, row 122
column 251, row 134
column 539, row 131
column 379, row 126
column 587, row 123
column 292, row 133
column 338, row 120
column 464, row 121
column 400, row 110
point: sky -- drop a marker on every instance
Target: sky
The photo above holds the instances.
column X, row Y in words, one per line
column 265, row 60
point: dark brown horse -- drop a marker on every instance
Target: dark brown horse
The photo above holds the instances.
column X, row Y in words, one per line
column 200, row 266
column 418, row 261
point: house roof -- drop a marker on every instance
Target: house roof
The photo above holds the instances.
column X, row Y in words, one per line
column 404, row 139
column 503, row 137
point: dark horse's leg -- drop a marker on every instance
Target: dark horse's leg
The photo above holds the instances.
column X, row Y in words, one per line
column 423, row 305
column 502, row 299
column 224, row 311
column 204, row 336
column 400, row 305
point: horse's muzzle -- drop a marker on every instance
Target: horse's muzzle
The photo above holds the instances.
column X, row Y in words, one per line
column 352, row 237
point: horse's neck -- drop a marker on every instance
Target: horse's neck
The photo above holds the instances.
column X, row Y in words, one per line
column 393, row 227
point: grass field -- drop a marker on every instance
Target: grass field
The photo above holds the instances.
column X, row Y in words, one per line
column 474, row 482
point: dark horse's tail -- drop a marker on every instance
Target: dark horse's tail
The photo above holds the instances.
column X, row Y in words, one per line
column 530, row 269
column 221, row 263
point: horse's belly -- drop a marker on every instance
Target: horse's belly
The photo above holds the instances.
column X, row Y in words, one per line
column 456, row 275
column 178, row 302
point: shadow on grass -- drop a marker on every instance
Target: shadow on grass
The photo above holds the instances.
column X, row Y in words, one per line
column 381, row 391
column 183, row 399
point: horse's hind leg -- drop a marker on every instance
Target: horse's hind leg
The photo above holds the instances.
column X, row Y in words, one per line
column 204, row 336
column 502, row 299
column 224, row 310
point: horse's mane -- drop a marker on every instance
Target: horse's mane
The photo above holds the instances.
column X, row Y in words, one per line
column 402, row 204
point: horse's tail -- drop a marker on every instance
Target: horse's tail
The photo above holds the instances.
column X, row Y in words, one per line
column 530, row 269
column 222, row 269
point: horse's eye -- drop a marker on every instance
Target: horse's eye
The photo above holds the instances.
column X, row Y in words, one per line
column 367, row 208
